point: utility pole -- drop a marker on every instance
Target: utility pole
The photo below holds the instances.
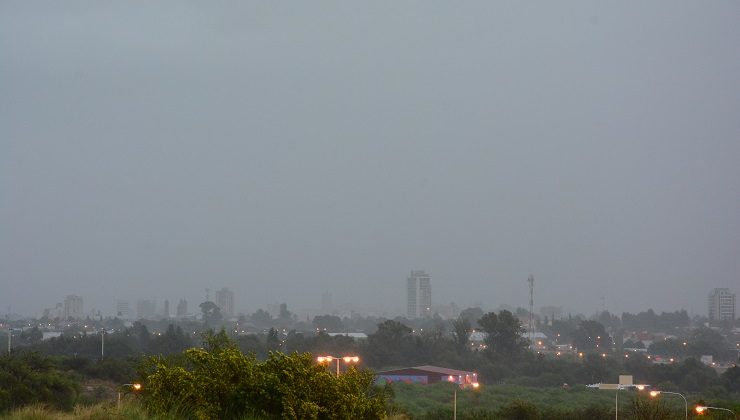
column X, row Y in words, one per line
column 10, row 337
column 102, row 343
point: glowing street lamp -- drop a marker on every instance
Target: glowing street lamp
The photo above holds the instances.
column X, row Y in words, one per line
column 135, row 387
column 686, row 403
column 475, row 386
column 625, row 381
column 329, row 359
column 700, row 409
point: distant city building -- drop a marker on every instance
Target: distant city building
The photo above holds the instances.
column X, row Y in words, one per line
column 57, row 312
column 273, row 309
column 721, row 305
column 182, row 308
column 225, row 302
column 73, row 307
column 327, row 306
column 146, row 309
column 123, row 310
column 166, row 308
column 418, row 295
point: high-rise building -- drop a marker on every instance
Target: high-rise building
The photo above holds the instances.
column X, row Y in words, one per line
column 418, row 295
column 146, row 309
column 73, row 307
column 327, row 307
column 225, row 302
column 721, row 305
column 123, row 310
column 166, row 313
column 182, row 308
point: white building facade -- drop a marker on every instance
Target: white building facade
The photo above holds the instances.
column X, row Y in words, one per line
column 721, row 305
column 418, row 295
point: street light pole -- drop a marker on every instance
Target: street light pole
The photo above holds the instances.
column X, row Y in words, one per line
column 617, row 387
column 134, row 386
column 616, row 404
column 686, row 403
column 701, row 408
column 329, row 359
column 454, row 405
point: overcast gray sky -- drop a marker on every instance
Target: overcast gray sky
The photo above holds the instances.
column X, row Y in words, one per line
column 153, row 149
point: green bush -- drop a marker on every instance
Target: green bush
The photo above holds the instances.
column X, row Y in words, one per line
column 220, row 382
column 29, row 378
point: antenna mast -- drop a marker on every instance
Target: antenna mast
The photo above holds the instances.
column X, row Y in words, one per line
column 531, row 310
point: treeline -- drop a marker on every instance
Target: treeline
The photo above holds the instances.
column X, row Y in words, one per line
column 504, row 357
column 127, row 342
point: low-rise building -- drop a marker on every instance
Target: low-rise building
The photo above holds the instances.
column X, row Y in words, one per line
column 428, row 375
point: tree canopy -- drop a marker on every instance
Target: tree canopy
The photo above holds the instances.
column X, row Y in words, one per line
column 219, row 381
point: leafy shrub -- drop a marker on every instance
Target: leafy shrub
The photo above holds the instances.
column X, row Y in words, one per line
column 29, row 378
column 221, row 382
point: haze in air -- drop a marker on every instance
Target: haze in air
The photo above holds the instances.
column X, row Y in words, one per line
column 288, row 150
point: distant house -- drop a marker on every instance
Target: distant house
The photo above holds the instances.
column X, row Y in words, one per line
column 356, row 336
column 480, row 336
column 427, row 375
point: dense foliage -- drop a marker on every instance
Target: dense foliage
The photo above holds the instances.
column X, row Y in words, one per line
column 219, row 381
column 269, row 373
column 28, row 378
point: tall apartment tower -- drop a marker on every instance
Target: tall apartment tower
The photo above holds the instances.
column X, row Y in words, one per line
column 146, row 309
column 166, row 312
column 721, row 305
column 123, row 310
column 225, row 301
column 182, row 308
column 73, row 307
column 418, row 295
column 326, row 304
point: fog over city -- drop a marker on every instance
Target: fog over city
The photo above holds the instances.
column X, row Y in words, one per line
column 286, row 150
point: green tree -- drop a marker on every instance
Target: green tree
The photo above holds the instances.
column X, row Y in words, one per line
column 731, row 379
column 391, row 345
column 285, row 315
column 29, row 378
column 461, row 330
column 591, row 335
column 261, row 318
column 472, row 315
column 504, row 334
column 706, row 341
column 330, row 323
column 211, row 313
column 220, row 382
column 172, row 341
column 33, row 336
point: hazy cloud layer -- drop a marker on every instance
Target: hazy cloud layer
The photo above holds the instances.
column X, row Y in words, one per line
column 283, row 150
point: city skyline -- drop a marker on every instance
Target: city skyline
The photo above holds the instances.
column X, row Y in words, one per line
column 123, row 307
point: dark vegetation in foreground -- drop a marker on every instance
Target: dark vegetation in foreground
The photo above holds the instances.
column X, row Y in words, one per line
column 219, row 381
column 273, row 375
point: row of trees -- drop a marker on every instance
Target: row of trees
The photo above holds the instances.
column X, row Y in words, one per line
column 395, row 344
